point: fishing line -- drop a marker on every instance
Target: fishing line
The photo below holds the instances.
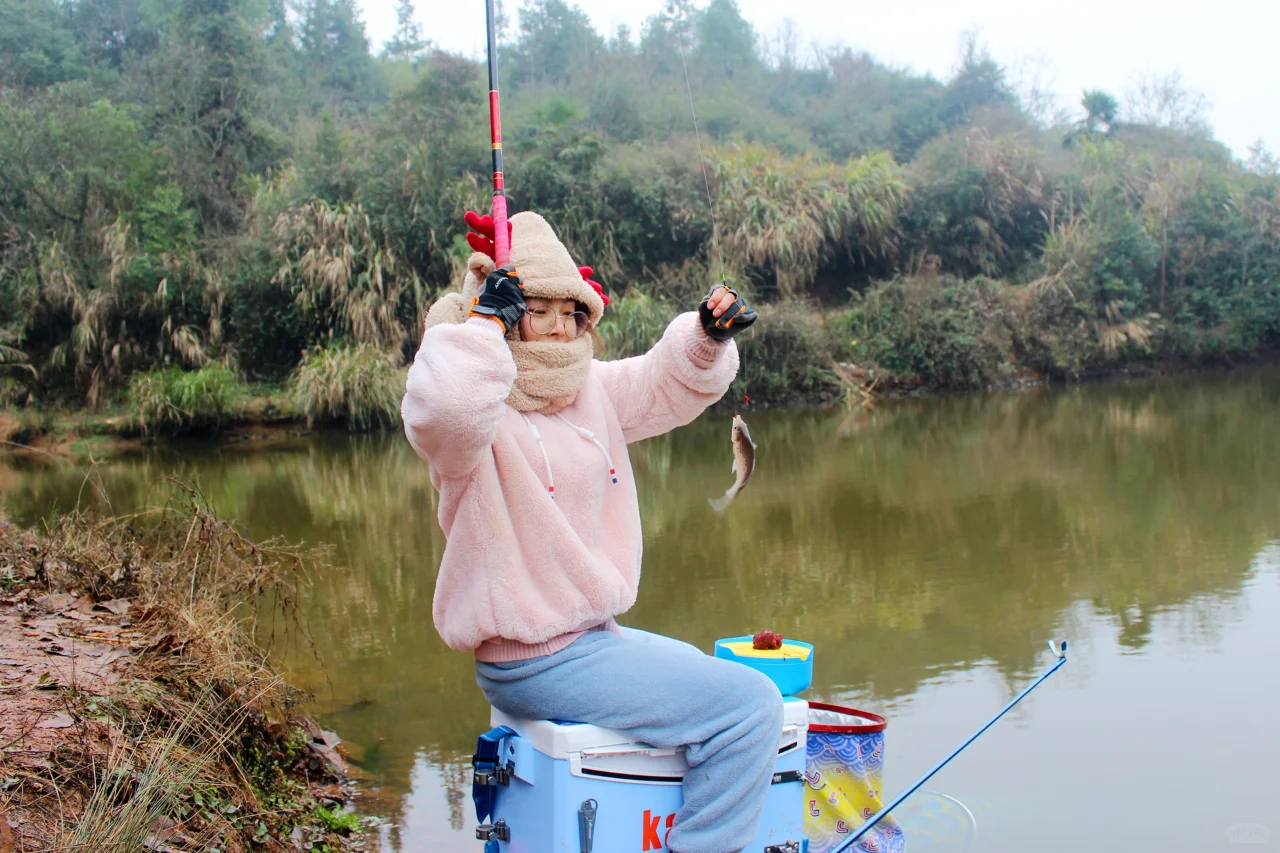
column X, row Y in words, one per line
column 706, row 182
column 702, row 156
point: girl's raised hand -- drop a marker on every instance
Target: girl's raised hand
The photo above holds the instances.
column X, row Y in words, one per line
column 724, row 313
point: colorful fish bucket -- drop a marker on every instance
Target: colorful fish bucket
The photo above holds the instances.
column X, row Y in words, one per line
column 844, row 768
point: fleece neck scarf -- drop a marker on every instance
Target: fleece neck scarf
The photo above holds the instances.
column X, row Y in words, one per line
column 548, row 374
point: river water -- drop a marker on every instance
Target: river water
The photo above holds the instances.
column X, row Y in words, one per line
column 928, row 548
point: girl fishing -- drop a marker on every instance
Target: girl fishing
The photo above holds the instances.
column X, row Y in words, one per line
column 526, row 436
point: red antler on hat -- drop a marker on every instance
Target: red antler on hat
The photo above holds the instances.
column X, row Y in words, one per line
column 595, row 285
column 482, row 239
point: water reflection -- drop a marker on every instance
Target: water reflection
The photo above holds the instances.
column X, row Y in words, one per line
column 912, row 543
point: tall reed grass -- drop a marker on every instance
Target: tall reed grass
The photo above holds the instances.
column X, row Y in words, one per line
column 357, row 384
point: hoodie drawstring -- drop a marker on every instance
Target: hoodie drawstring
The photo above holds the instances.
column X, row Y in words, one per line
column 591, row 436
column 583, row 432
column 546, row 460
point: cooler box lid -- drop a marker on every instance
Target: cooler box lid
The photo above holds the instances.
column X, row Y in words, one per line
column 559, row 739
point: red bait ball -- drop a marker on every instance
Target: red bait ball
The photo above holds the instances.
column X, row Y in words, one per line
column 766, row 641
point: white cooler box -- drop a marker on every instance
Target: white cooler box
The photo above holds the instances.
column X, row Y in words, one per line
column 573, row 788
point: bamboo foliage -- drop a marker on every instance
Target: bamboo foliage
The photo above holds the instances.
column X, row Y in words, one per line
column 795, row 214
column 587, row 237
column 1118, row 331
column 98, row 357
column 1012, row 182
column 1165, row 189
column 13, row 359
column 111, row 328
column 1067, row 252
column 1012, row 176
column 1069, row 255
column 1262, row 215
column 331, row 257
column 973, row 194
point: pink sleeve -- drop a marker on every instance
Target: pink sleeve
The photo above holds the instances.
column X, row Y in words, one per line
column 672, row 383
column 455, row 396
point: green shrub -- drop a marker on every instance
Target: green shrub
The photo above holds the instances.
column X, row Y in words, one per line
column 358, row 384
column 936, row 331
column 173, row 400
column 786, row 356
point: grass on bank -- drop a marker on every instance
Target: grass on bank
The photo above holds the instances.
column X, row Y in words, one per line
column 173, row 400
column 200, row 736
column 124, row 809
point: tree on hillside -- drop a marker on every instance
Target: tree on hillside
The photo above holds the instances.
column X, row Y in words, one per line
column 110, row 30
column 866, row 107
column 213, row 58
column 36, row 48
column 556, row 40
column 726, row 41
column 979, row 82
column 621, row 45
column 1032, row 81
column 1165, row 101
column 407, row 42
column 668, row 36
column 1101, row 110
column 335, row 46
column 279, row 27
column 1262, row 161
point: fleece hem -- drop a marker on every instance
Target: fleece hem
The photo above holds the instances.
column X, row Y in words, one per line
column 502, row 650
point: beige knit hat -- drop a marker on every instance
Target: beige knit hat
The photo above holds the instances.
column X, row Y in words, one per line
column 544, row 266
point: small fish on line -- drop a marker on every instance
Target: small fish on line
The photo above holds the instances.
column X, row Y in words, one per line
column 744, row 462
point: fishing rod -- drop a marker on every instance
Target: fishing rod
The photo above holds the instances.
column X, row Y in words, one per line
column 501, row 239
column 1059, row 649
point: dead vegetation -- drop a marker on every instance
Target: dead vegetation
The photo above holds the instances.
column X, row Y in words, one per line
column 140, row 710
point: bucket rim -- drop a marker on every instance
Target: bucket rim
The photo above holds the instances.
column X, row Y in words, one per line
column 819, row 728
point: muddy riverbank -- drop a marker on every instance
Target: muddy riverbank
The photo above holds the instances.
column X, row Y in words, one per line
column 139, row 707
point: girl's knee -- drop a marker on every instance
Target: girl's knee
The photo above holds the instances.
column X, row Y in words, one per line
column 761, row 696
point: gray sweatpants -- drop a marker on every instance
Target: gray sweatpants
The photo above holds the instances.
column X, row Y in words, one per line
column 664, row 693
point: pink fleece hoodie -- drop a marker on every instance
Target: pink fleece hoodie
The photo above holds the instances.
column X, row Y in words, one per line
column 524, row 574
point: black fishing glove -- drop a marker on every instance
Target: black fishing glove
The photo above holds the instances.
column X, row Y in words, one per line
column 736, row 317
column 501, row 298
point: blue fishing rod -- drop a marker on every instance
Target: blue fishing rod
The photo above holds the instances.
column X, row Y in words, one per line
column 1059, row 649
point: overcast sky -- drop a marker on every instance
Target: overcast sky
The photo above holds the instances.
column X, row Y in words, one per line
column 1227, row 49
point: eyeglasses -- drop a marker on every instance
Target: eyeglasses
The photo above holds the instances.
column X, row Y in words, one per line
column 543, row 321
